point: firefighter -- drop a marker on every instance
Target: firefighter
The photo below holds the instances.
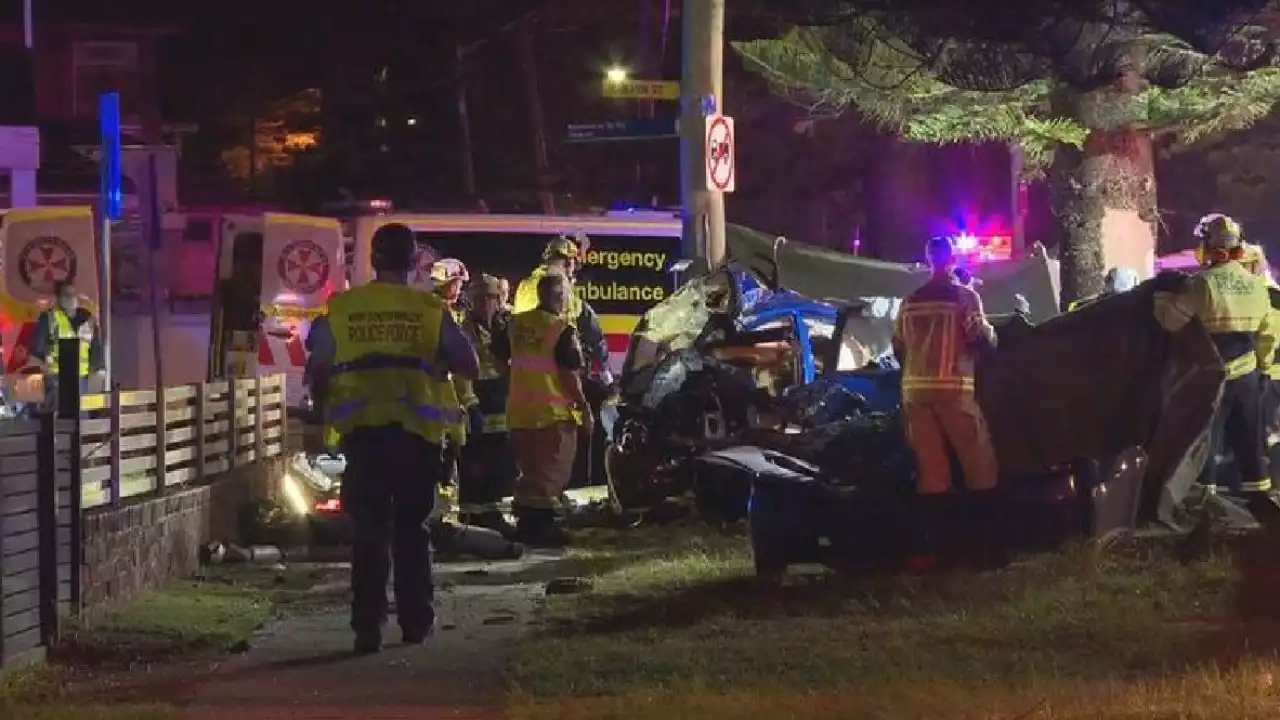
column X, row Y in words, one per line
column 545, row 408
column 940, row 329
column 487, row 468
column 565, row 255
column 447, row 277
column 387, row 352
column 1235, row 308
column 1117, row 280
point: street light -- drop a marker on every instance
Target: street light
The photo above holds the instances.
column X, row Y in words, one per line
column 616, row 75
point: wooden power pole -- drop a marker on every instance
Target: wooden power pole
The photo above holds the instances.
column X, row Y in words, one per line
column 530, row 59
column 701, row 89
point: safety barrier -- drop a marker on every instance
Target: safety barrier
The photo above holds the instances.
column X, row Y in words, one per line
column 137, row 442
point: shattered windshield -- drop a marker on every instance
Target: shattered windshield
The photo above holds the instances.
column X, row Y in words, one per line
column 677, row 322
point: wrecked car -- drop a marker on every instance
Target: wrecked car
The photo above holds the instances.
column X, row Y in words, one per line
column 717, row 362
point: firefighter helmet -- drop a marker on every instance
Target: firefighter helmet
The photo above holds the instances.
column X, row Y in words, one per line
column 1220, row 239
column 567, row 247
column 446, row 271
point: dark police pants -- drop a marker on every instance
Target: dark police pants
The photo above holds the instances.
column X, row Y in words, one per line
column 1238, row 425
column 388, row 490
column 486, row 473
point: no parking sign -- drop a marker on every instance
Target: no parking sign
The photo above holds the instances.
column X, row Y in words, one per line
column 720, row 154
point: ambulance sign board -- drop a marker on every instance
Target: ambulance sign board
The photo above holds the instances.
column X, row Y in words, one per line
column 720, row 153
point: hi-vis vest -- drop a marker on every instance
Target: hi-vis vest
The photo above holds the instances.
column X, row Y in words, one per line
column 1235, row 308
column 537, row 400
column 933, row 327
column 60, row 328
column 387, row 338
column 527, row 297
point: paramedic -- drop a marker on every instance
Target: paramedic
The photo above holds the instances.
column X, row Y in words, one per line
column 565, row 255
column 1235, row 308
column 66, row 320
column 1117, row 280
column 487, row 469
column 389, row 350
column 940, row 329
column 545, row 408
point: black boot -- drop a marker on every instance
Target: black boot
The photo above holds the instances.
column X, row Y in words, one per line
column 1263, row 508
column 928, row 534
column 539, row 528
column 985, row 521
column 492, row 520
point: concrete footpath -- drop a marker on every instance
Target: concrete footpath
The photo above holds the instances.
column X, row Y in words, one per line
column 302, row 668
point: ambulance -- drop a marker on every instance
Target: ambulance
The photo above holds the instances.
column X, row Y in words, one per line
column 275, row 273
column 626, row 271
column 40, row 247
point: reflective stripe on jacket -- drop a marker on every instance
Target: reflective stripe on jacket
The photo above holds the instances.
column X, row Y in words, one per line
column 537, row 399
column 60, row 328
column 936, row 330
column 1234, row 305
column 387, row 337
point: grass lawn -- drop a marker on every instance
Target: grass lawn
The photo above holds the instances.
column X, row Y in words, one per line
column 685, row 632
column 164, row 638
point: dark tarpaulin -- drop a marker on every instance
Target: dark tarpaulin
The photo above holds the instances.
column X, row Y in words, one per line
column 824, row 274
column 1090, row 383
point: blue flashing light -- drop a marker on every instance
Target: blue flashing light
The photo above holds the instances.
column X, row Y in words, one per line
column 112, row 195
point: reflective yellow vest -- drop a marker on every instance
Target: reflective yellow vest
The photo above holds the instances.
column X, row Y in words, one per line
column 1235, row 308
column 537, row 399
column 60, row 328
column 527, row 297
column 387, row 338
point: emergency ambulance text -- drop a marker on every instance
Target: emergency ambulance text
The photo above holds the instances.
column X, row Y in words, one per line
column 617, row 292
column 395, row 326
column 615, row 259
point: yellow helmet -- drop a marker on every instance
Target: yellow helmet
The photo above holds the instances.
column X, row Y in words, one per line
column 1220, row 238
column 562, row 247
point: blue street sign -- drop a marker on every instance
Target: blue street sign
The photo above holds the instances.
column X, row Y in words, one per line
column 109, row 164
column 620, row 130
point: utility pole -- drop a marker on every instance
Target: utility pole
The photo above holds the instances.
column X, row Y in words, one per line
column 701, row 89
column 464, row 123
column 530, row 61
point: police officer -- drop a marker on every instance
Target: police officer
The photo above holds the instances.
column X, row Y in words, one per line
column 388, row 350
column 487, row 469
column 545, row 408
column 939, row 331
column 1235, row 308
column 1117, row 280
column 564, row 255
column 66, row 320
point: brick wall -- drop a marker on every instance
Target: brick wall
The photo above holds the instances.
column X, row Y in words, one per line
column 145, row 543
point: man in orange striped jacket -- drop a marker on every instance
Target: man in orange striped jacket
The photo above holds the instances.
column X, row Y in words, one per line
column 939, row 331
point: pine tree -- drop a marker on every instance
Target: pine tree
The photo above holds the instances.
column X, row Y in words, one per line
column 1083, row 111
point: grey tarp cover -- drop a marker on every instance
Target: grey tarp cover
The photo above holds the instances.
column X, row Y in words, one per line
column 1089, row 383
column 820, row 274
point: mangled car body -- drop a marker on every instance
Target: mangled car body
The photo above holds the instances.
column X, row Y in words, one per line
column 739, row 386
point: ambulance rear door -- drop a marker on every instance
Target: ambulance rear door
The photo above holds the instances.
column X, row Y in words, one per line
column 303, row 266
column 42, row 246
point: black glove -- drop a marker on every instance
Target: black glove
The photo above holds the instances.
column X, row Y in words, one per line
column 475, row 421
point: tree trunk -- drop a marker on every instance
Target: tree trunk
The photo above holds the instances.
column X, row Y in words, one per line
column 1103, row 197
